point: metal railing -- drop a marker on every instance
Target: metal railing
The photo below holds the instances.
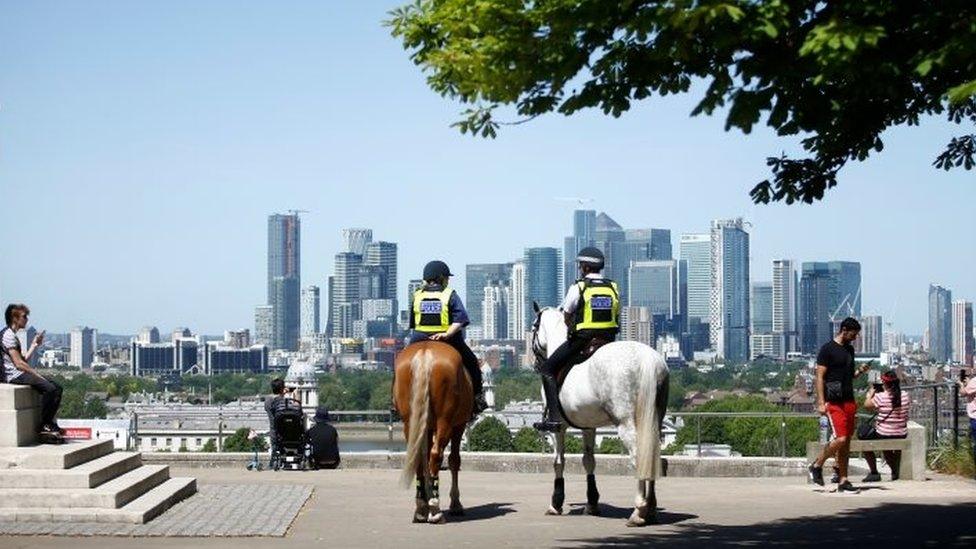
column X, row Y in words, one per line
column 938, row 408
column 782, row 416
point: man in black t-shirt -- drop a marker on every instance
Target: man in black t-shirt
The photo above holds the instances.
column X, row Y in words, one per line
column 835, row 399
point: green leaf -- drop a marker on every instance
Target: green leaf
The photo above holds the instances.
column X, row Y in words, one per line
column 962, row 92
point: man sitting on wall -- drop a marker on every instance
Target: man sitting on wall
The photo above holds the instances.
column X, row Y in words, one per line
column 324, row 440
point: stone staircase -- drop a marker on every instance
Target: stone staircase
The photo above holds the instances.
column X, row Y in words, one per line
column 83, row 481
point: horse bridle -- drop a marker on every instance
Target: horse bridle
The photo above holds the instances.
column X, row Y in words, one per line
column 537, row 349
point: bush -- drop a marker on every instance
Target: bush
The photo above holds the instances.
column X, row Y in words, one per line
column 209, row 446
column 528, row 440
column 238, row 442
column 611, row 445
column 945, row 458
column 490, row 435
column 573, row 445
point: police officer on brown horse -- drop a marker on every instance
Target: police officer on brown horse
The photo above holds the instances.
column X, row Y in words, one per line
column 591, row 309
column 438, row 314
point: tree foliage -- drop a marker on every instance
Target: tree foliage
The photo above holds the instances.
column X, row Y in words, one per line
column 752, row 436
column 611, row 445
column 515, row 384
column 834, row 74
column 528, row 440
column 490, row 435
column 238, row 442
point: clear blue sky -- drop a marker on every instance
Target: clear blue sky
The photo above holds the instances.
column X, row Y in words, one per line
column 142, row 146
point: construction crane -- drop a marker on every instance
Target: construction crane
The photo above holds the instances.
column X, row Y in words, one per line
column 579, row 201
column 847, row 301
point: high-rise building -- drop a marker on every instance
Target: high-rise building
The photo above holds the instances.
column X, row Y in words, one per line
column 148, row 334
column 516, row 302
column 542, row 276
column 494, row 310
column 180, row 332
column 330, row 313
column 829, row 291
column 310, row 310
column 237, row 339
column 655, row 285
column 263, row 320
column 729, row 320
column 962, row 332
column 478, row 276
column 584, row 234
column 383, row 255
column 871, row 339
column 696, row 251
column 224, row 359
column 611, row 238
column 940, row 323
column 346, row 280
column 356, row 240
column 637, row 324
column 762, row 345
column 284, row 279
column 784, row 308
column 378, row 309
column 82, row 347
column 286, row 313
column 762, row 307
column 176, row 357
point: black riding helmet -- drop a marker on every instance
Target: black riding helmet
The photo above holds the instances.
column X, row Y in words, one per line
column 591, row 257
column 435, row 270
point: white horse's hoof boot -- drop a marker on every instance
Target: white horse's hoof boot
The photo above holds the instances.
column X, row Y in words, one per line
column 553, row 511
column 436, row 518
column 636, row 519
column 419, row 518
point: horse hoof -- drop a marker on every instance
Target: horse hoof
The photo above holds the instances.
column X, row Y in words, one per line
column 636, row 522
column 419, row 518
column 436, row 518
column 592, row 509
column 553, row 511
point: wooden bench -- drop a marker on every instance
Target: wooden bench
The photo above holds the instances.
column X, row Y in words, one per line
column 913, row 450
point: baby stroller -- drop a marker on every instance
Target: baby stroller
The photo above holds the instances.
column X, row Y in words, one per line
column 289, row 444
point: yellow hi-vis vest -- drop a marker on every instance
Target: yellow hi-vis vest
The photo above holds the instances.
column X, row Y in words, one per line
column 430, row 310
column 599, row 306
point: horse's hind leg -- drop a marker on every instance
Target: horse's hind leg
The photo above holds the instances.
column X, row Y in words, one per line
column 442, row 434
column 628, row 435
column 454, row 461
column 559, row 483
column 589, row 463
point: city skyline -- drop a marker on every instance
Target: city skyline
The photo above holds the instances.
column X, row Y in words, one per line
column 187, row 147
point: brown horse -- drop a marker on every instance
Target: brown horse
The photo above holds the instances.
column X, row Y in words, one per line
column 433, row 394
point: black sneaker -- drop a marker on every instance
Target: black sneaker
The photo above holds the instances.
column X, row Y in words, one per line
column 835, row 479
column 847, row 487
column 816, row 475
column 872, row 477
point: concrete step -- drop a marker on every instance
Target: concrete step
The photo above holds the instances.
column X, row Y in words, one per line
column 110, row 495
column 60, row 456
column 87, row 475
column 143, row 509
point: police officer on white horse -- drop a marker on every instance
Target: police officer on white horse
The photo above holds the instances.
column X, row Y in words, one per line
column 592, row 310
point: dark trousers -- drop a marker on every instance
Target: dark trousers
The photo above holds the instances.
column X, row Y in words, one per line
column 50, row 394
column 562, row 355
column 468, row 358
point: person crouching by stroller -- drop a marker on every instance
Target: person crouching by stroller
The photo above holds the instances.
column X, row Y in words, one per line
column 324, row 441
column 891, row 405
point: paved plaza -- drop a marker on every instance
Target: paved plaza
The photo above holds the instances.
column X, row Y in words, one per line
column 366, row 508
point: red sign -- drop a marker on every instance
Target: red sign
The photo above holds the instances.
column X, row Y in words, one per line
column 77, row 433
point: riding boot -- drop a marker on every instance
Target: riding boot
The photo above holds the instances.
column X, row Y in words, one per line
column 553, row 419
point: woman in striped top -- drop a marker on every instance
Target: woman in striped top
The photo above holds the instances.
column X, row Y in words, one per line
column 891, row 405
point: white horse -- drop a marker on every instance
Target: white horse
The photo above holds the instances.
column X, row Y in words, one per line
column 624, row 384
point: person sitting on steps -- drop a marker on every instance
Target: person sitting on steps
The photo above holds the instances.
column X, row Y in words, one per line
column 592, row 309
column 438, row 314
column 17, row 371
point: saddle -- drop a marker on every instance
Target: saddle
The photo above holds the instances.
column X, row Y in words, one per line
column 583, row 356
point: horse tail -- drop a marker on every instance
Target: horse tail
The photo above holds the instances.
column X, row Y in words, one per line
column 647, row 421
column 417, row 450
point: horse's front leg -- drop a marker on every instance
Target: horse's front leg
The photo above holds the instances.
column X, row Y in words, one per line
column 558, row 464
column 589, row 463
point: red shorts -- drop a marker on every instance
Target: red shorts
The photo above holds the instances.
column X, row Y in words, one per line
column 841, row 416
